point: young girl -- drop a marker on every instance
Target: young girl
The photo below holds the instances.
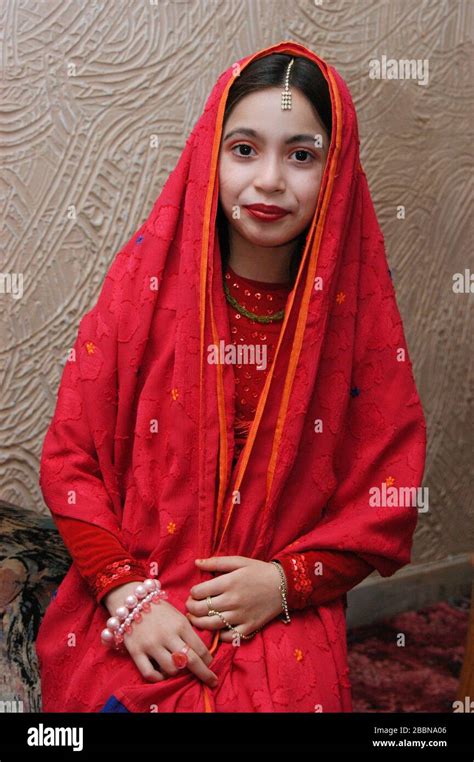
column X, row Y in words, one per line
column 233, row 414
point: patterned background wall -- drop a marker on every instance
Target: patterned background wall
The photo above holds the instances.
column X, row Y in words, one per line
column 87, row 88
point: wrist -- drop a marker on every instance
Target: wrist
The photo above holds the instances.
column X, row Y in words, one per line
column 131, row 609
column 115, row 598
column 283, row 572
column 283, row 610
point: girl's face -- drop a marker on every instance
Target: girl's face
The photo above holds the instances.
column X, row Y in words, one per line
column 272, row 157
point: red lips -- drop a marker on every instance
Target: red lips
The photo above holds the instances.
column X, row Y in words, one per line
column 266, row 212
column 267, row 208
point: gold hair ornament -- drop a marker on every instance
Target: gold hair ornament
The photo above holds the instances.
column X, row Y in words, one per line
column 286, row 93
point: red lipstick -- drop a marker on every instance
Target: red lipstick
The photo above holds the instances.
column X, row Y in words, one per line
column 266, row 212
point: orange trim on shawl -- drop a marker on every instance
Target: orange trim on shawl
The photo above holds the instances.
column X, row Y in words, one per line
column 323, row 204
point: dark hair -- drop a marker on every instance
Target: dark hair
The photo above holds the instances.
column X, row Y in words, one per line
column 270, row 71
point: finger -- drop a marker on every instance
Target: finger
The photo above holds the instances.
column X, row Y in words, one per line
column 201, row 608
column 214, row 586
column 213, row 622
column 146, row 668
column 191, row 637
column 223, row 563
column 194, row 664
column 162, row 656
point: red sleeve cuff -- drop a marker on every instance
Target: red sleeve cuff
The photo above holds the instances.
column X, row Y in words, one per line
column 115, row 574
column 298, row 583
column 317, row 577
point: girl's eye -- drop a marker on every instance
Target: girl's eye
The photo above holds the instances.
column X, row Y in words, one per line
column 307, row 153
column 242, row 145
column 305, row 157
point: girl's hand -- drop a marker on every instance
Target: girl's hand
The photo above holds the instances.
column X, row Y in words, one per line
column 246, row 593
column 161, row 631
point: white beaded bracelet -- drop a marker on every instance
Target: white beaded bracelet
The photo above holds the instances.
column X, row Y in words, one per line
column 146, row 593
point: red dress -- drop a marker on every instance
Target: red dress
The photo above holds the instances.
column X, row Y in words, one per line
column 141, row 441
column 312, row 578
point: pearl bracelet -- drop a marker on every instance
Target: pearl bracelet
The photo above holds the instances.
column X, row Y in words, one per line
column 146, row 593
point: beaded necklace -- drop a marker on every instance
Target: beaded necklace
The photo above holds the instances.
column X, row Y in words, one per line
column 276, row 316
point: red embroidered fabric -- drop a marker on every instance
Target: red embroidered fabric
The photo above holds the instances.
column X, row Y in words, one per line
column 262, row 299
column 314, row 577
column 105, row 563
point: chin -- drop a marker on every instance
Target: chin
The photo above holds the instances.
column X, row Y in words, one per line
column 265, row 240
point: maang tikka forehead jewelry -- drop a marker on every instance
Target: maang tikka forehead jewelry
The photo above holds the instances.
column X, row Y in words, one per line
column 286, row 93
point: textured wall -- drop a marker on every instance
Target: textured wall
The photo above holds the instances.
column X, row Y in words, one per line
column 85, row 87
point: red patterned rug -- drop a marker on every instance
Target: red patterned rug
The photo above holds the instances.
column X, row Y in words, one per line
column 411, row 662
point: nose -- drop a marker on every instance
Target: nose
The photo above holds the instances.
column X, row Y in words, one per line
column 270, row 177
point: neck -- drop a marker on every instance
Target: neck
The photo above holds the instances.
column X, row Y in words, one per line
column 265, row 264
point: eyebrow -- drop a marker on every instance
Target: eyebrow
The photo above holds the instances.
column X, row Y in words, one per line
column 301, row 138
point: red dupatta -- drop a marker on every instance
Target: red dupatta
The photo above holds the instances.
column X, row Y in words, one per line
column 141, row 442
